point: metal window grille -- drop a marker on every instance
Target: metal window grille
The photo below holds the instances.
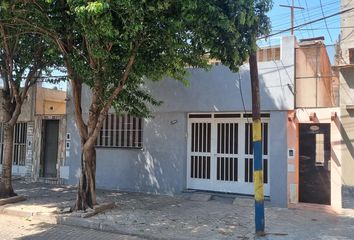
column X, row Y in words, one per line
column 122, row 131
column 19, row 148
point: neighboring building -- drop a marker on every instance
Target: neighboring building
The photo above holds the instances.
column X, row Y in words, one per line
column 200, row 137
column 314, row 163
column 39, row 144
column 345, row 66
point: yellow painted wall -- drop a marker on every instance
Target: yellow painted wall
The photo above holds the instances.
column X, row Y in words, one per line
column 314, row 76
column 50, row 101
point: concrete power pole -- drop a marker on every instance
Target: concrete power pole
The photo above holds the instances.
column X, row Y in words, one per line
column 292, row 8
column 257, row 146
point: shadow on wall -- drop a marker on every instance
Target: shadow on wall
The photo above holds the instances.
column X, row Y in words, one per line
column 160, row 167
column 161, row 164
column 346, row 139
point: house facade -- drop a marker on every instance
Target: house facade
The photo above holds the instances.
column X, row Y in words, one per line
column 39, row 136
column 314, row 136
column 200, row 137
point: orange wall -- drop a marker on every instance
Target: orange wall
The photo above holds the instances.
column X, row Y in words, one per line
column 314, row 77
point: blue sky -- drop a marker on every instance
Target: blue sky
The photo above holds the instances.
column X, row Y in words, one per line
column 280, row 18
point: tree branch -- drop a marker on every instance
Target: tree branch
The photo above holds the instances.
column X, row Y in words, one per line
column 119, row 88
column 76, row 84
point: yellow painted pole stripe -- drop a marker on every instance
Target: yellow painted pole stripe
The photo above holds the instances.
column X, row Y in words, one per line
column 258, row 185
column 257, row 130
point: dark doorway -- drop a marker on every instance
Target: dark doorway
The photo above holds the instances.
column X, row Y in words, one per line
column 50, row 147
column 314, row 167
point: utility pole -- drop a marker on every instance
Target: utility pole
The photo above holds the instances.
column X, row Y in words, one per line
column 257, row 146
column 292, row 8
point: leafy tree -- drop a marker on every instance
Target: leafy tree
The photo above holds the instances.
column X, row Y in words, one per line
column 114, row 46
column 23, row 58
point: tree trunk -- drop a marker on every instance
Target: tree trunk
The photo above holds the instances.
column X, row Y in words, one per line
column 6, row 189
column 86, row 194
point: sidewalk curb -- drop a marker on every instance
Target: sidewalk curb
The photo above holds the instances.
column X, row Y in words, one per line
column 104, row 227
column 54, row 218
column 45, row 217
column 14, row 199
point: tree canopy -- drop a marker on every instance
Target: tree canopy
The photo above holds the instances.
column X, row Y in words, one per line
column 113, row 47
column 24, row 57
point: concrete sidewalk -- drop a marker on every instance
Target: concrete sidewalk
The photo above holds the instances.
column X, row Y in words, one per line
column 165, row 217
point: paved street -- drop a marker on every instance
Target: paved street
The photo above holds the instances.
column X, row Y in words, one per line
column 164, row 217
column 28, row 229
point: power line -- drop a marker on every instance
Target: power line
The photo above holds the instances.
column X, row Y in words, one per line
column 312, row 29
column 314, row 15
column 308, row 15
column 330, row 36
column 313, row 10
column 292, row 10
column 312, row 7
column 307, row 23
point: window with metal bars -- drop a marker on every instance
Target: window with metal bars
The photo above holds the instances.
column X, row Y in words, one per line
column 123, row 131
column 19, row 148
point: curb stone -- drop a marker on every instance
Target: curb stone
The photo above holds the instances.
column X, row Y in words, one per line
column 77, row 221
column 103, row 226
column 14, row 199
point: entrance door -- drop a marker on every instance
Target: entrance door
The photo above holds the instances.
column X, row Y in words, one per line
column 50, row 146
column 315, row 167
column 220, row 156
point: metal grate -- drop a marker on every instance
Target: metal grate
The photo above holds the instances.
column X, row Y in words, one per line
column 227, row 169
column 200, row 144
column 121, row 131
column 201, row 137
column 19, row 147
column 20, row 137
column 200, row 167
column 227, row 138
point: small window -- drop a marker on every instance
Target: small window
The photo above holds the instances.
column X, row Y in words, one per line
column 268, row 54
column 19, row 147
column 320, row 150
column 122, row 131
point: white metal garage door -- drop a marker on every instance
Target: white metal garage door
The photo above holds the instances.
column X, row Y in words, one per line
column 220, row 153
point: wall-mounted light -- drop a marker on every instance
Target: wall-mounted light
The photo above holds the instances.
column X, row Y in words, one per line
column 173, row 122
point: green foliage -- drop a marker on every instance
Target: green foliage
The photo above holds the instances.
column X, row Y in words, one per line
column 23, row 51
column 165, row 36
